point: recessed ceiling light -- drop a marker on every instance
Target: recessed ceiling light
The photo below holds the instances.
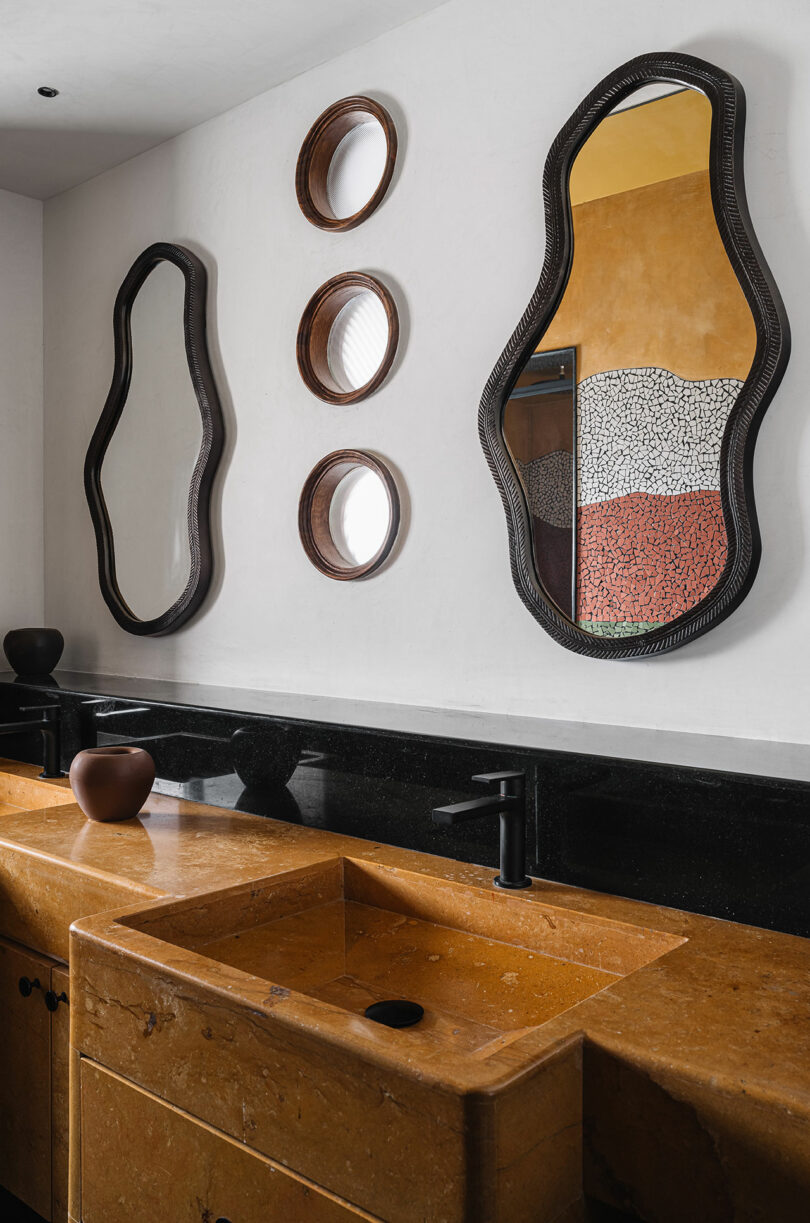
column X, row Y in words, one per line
column 47, row 91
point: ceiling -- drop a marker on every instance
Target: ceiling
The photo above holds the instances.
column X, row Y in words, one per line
column 132, row 73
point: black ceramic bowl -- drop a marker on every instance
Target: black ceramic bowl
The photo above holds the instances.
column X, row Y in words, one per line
column 33, row 651
column 266, row 757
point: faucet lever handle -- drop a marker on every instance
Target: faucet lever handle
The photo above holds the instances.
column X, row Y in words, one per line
column 37, row 708
column 507, row 775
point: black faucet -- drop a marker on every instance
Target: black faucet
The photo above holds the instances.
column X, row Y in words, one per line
column 510, row 805
column 50, row 727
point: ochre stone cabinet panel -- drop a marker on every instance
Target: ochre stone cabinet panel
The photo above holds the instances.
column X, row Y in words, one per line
column 144, row 1159
column 25, row 1077
column 34, row 1060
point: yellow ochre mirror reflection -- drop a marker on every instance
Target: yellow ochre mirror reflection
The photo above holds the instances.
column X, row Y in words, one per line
column 616, row 420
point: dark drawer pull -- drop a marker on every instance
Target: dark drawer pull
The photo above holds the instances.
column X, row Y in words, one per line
column 27, row 986
column 52, row 999
column 222, row 1220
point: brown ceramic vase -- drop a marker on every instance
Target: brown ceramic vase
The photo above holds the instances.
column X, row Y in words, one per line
column 112, row 783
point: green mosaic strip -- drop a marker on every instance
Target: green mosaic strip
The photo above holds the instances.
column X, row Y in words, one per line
column 618, row 628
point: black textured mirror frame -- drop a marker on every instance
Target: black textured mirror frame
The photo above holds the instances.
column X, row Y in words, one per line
column 772, row 350
column 213, row 437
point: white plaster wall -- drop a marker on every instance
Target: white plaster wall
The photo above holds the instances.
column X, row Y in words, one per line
column 479, row 89
column 21, row 506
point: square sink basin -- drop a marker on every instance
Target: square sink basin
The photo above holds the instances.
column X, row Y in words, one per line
column 246, row 1008
column 484, row 967
column 19, row 791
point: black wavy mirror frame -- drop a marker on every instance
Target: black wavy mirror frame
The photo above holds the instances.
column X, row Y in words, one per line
column 198, row 511
column 619, row 423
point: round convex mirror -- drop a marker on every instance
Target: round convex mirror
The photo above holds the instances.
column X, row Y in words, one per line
column 349, row 514
column 359, row 515
column 345, row 164
column 347, row 338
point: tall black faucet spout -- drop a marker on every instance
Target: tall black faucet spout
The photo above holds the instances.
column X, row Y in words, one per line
column 510, row 805
column 50, row 727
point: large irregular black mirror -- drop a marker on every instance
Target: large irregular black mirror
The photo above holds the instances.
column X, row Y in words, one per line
column 620, row 421
column 152, row 459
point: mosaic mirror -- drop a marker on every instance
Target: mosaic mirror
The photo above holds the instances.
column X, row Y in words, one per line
column 619, row 423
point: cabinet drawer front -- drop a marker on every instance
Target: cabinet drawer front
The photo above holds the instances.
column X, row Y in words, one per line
column 144, row 1159
column 25, row 1077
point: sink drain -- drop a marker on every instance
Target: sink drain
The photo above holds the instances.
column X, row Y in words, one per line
column 395, row 1013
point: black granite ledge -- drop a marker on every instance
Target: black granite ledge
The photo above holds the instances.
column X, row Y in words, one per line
column 723, row 753
column 723, row 842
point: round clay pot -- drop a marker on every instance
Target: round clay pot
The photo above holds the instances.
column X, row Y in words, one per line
column 112, row 783
column 33, row 651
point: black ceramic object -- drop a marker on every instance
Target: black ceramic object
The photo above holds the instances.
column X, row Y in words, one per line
column 266, row 756
column 33, row 651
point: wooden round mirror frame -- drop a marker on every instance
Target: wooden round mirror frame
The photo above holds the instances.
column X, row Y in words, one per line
column 313, row 514
column 316, row 324
column 317, row 152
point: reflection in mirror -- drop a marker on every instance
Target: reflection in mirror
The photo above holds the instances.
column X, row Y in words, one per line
column 356, row 167
column 357, row 341
column 359, row 515
column 650, row 346
column 539, row 421
column 149, row 463
column 153, row 456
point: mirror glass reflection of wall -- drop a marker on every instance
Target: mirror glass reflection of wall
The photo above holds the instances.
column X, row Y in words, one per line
column 662, row 340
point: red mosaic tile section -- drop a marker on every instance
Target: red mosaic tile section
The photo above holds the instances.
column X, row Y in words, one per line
column 648, row 557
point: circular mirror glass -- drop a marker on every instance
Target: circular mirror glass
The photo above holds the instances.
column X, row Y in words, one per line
column 357, row 341
column 347, row 338
column 346, row 163
column 359, row 515
column 356, row 167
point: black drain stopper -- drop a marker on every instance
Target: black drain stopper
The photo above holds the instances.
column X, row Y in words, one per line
column 395, row 1012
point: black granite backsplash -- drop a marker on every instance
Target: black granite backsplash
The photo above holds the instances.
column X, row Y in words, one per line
column 725, row 844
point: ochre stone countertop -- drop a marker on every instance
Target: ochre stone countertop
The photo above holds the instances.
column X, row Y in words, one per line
column 709, row 1042
column 735, row 998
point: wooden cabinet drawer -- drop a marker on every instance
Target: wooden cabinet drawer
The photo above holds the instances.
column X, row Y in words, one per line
column 144, row 1159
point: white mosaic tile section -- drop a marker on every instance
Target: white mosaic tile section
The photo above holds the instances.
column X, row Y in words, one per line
column 549, row 484
column 649, row 431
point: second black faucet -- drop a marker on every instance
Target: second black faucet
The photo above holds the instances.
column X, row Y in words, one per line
column 510, row 804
